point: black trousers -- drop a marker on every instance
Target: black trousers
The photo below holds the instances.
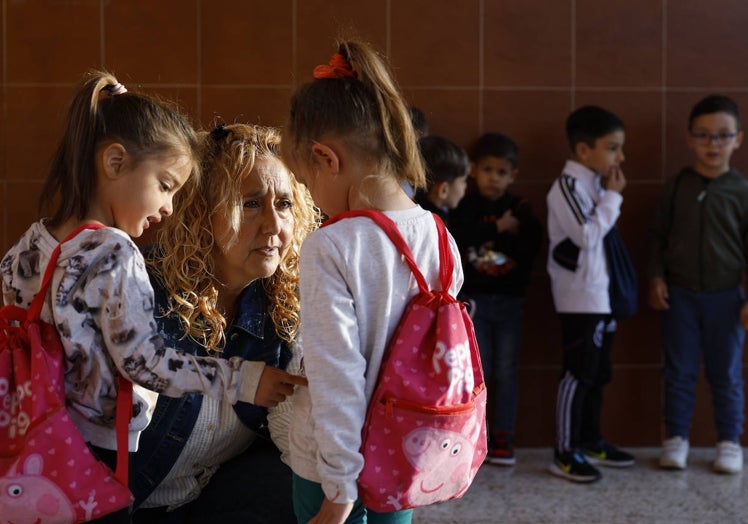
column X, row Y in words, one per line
column 587, row 341
column 252, row 488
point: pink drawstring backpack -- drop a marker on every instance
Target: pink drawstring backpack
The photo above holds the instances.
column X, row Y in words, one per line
column 425, row 432
column 47, row 472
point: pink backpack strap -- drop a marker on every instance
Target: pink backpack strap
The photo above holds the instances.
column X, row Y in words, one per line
column 124, row 393
column 446, row 261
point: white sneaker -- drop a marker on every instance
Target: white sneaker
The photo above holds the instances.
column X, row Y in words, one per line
column 674, row 453
column 729, row 457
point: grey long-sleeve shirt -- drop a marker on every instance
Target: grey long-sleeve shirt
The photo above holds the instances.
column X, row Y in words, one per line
column 354, row 289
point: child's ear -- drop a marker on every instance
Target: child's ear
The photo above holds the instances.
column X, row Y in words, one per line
column 738, row 140
column 113, row 160
column 582, row 150
column 515, row 172
column 326, row 158
column 441, row 190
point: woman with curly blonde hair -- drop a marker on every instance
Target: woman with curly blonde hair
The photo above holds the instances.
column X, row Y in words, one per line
column 225, row 273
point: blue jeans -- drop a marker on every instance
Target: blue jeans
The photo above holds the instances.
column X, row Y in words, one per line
column 498, row 329
column 703, row 325
column 308, row 497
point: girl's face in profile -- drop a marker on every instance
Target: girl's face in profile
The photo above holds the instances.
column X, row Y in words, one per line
column 266, row 229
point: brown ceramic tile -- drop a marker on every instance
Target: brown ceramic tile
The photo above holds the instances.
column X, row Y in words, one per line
column 152, row 42
column 20, row 208
column 435, row 42
column 637, row 212
column 41, row 45
column 527, row 43
column 706, row 43
column 678, row 108
column 450, row 113
column 619, row 43
column 541, row 339
column 631, row 414
column 251, row 105
column 641, row 113
column 535, row 121
column 239, row 46
column 536, row 408
column 638, row 339
column 320, row 22
column 36, row 115
column 3, row 135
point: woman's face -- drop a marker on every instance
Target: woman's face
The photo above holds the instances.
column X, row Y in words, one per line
column 266, row 229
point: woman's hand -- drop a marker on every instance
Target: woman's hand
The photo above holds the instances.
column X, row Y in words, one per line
column 275, row 385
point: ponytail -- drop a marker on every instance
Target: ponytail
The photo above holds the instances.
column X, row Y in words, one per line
column 355, row 97
column 103, row 111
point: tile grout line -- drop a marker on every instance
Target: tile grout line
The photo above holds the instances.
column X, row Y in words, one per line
column 199, row 53
column 573, row 60
column 4, row 112
column 481, row 64
column 663, row 115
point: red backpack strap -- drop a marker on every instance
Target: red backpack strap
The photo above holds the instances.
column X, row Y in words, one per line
column 35, row 309
column 122, row 427
column 124, row 390
column 446, row 262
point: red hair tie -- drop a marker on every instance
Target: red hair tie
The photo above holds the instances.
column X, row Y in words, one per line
column 338, row 67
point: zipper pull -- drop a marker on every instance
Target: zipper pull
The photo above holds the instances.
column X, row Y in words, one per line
column 701, row 196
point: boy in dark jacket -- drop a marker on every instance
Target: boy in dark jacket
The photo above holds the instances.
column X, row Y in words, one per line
column 498, row 237
column 698, row 255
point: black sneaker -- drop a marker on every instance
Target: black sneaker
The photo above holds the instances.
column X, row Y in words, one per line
column 606, row 454
column 571, row 465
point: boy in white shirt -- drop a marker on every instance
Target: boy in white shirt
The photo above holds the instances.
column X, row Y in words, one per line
column 583, row 205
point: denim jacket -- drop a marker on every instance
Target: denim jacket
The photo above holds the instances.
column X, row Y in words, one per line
column 252, row 336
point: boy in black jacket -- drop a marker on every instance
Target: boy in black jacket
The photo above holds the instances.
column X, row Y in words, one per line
column 499, row 237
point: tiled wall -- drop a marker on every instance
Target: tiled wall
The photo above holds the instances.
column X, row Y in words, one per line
column 515, row 66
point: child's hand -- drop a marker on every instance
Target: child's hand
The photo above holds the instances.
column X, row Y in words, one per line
column 275, row 385
column 614, row 180
column 332, row 513
column 658, row 295
column 744, row 316
column 508, row 223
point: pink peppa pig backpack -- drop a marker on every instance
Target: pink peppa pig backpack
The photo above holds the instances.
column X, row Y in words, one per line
column 47, row 472
column 425, row 432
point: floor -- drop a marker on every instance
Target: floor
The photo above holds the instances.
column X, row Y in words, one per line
column 528, row 494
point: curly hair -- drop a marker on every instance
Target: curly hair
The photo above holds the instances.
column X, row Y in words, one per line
column 183, row 261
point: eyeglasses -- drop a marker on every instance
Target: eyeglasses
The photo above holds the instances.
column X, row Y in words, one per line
column 703, row 138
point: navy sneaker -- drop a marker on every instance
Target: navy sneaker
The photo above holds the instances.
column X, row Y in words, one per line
column 571, row 465
column 606, row 454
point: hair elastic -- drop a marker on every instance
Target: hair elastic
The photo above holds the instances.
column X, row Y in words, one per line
column 338, row 67
column 116, row 89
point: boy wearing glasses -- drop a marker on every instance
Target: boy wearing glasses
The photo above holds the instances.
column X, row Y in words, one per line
column 698, row 254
